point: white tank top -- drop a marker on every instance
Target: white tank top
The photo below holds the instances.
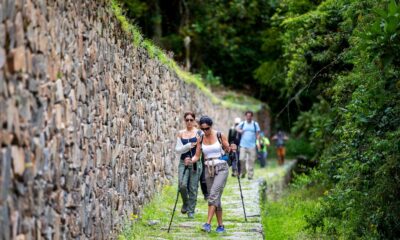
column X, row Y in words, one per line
column 212, row 151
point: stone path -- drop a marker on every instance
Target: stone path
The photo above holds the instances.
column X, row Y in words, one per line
column 235, row 225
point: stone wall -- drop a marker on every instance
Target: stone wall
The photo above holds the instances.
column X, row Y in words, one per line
column 88, row 121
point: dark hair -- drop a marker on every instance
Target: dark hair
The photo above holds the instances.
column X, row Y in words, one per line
column 248, row 112
column 189, row 113
column 207, row 120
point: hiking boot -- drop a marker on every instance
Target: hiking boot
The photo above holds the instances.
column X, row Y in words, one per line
column 191, row 215
column 243, row 176
column 206, row 227
column 183, row 209
column 220, row 229
column 250, row 178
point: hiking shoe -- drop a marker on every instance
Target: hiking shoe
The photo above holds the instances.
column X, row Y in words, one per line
column 243, row 176
column 183, row 209
column 206, row 227
column 220, row 229
column 190, row 215
column 250, row 178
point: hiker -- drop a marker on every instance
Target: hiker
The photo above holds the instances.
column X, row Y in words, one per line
column 263, row 141
column 249, row 131
column 280, row 139
column 213, row 145
column 202, row 180
column 234, row 137
column 186, row 146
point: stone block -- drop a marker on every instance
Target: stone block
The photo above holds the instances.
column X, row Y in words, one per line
column 19, row 30
column 2, row 35
column 39, row 65
column 2, row 56
column 16, row 59
column 59, row 91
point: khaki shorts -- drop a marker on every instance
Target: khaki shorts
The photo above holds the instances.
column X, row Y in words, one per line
column 216, row 183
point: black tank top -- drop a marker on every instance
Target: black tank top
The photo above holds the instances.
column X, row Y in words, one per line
column 192, row 150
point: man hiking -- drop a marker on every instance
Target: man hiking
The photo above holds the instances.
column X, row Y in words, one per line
column 249, row 131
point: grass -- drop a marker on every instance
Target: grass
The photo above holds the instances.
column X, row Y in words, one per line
column 157, row 53
column 285, row 218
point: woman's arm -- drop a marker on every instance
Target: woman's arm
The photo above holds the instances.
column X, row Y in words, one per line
column 179, row 147
column 225, row 143
column 196, row 156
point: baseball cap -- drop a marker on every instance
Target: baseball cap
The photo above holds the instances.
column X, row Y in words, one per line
column 237, row 120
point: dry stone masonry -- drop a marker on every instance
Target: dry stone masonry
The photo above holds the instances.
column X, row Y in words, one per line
column 88, row 121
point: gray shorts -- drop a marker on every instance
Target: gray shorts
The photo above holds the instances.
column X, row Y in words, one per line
column 216, row 177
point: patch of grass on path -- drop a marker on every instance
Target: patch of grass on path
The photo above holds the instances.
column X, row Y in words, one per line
column 157, row 210
column 285, row 218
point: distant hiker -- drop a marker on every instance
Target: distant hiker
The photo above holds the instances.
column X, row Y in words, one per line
column 263, row 141
column 213, row 145
column 280, row 139
column 234, row 137
column 186, row 146
column 249, row 131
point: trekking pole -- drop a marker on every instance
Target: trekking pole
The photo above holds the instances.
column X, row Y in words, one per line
column 177, row 197
column 240, row 188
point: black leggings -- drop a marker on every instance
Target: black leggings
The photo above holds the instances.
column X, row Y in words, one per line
column 203, row 184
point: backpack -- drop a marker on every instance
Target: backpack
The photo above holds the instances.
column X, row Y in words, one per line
column 226, row 157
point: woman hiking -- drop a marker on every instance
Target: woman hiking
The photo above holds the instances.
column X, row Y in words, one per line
column 212, row 145
column 186, row 146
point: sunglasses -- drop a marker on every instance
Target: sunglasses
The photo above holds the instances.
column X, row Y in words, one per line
column 205, row 129
column 189, row 119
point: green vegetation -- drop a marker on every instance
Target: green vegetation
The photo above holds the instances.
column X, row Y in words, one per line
column 225, row 35
column 155, row 52
column 343, row 57
column 299, row 146
column 286, row 217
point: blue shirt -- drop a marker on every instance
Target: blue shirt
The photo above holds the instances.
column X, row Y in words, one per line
column 249, row 136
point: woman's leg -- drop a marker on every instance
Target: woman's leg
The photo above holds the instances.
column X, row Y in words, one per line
column 216, row 193
column 211, row 212
column 183, row 180
column 203, row 183
column 218, row 212
column 209, row 183
column 193, row 189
